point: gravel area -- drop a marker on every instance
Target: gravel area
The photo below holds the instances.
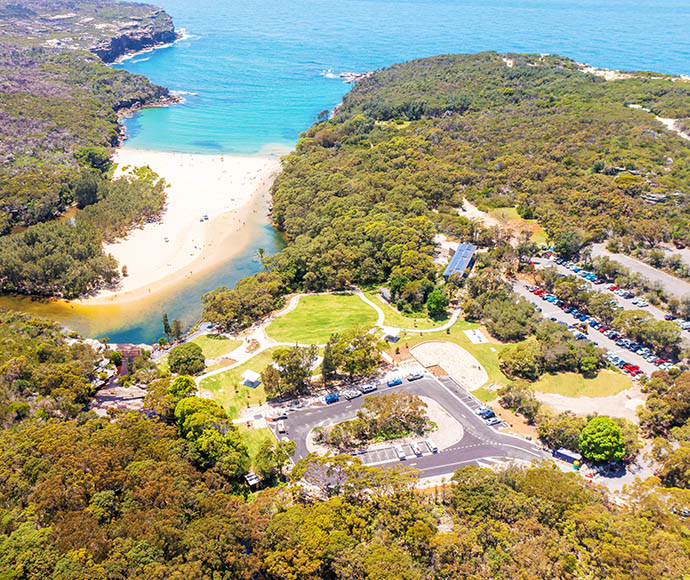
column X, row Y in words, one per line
column 460, row 365
column 624, row 404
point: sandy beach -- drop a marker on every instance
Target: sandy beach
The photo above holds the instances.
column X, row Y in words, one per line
column 183, row 244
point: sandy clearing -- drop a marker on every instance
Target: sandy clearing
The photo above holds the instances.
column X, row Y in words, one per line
column 471, row 211
column 624, row 404
column 223, row 187
column 460, row 365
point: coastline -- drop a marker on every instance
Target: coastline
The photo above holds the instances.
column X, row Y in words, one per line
column 229, row 189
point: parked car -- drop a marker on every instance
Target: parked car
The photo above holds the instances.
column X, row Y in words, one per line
column 352, row 394
column 416, row 449
column 394, row 382
column 432, row 446
column 332, row 398
column 669, row 317
column 493, row 421
column 368, row 388
column 400, row 453
column 415, row 376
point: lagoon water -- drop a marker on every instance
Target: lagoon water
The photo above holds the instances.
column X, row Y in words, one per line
column 256, row 74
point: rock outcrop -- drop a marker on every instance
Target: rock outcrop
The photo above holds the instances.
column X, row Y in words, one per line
column 156, row 32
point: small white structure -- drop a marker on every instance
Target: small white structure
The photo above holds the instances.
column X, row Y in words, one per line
column 251, row 379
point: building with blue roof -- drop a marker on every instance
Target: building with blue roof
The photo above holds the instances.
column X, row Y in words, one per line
column 461, row 262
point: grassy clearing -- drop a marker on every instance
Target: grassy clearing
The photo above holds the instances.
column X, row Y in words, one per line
column 510, row 217
column 214, row 346
column 317, row 317
column 504, row 213
column 254, row 438
column 228, row 390
column 605, row 384
column 485, row 395
column 394, row 318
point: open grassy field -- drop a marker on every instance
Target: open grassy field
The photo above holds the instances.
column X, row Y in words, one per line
column 214, row 345
column 512, row 219
column 394, row 318
column 317, row 317
column 228, row 390
column 485, row 395
column 605, row 384
column 254, row 438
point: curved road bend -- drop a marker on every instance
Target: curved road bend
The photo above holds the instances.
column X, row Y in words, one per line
column 479, row 441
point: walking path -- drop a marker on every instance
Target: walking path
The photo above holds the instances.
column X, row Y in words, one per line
column 257, row 333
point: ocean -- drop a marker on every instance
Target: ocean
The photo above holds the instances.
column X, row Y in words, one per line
column 254, row 75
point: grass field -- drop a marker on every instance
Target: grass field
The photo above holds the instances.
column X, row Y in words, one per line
column 393, row 318
column 485, row 395
column 317, row 317
column 228, row 390
column 214, row 346
column 254, row 438
column 511, row 217
column 605, row 384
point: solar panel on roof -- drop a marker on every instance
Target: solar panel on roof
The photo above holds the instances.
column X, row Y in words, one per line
column 460, row 260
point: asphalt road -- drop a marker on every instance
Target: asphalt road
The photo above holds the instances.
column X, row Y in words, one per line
column 550, row 310
column 479, row 441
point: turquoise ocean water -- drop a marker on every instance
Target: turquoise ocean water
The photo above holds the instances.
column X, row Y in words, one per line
column 256, row 74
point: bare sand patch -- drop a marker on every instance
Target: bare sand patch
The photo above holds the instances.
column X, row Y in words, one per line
column 209, row 200
column 460, row 365
column 624, row 404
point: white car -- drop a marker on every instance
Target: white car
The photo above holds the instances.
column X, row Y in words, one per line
column 432, row 446
column 399, row 451
column 352, row 394
column 416, row 449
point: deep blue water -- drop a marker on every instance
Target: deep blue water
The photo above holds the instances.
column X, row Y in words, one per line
column 256, row 68
column 255, row 74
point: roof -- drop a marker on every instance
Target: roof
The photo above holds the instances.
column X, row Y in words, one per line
column 460, row 260
column 249, row 376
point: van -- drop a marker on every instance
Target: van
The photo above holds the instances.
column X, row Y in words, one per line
column 281, row 427
column 432, row 446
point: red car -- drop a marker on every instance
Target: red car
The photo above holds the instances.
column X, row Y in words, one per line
column 612, row 288
column 678, row 245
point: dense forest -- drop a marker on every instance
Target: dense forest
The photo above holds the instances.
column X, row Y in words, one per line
column 363, row 194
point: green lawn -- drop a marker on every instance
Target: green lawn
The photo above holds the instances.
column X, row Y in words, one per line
column 605, row 384
column 504, row 213
column 394, row 318
column 214, row 346
column 317, row 317
column 228, row 390
column 485, row 395
column 254, row 438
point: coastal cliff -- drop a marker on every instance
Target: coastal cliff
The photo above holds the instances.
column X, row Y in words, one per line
column 108, row 29
column 159, row 31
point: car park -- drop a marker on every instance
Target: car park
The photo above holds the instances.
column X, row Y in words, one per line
column 394, row 382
